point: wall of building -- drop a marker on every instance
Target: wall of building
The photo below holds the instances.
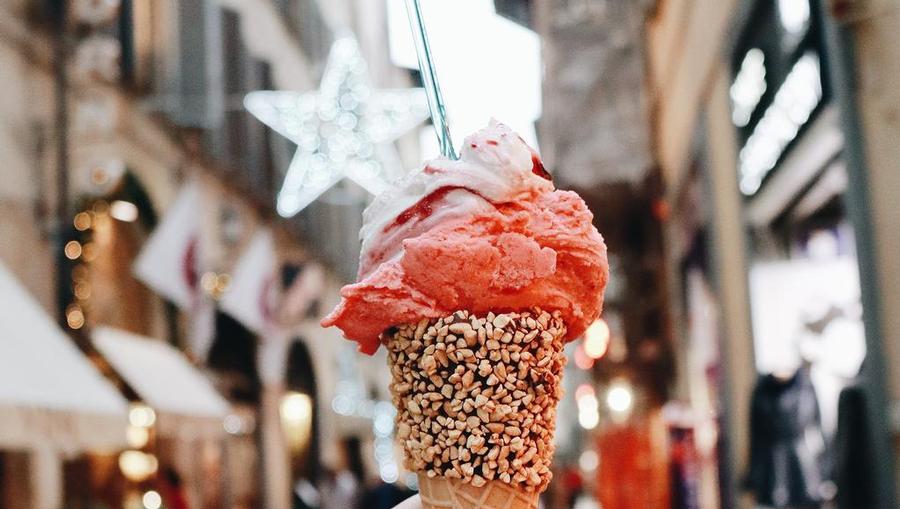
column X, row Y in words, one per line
column 878, row 73
column 26, row 138
column 110, row 122
column 689, row 82
column 685, row 44
column 689, row 77
column 730, row 267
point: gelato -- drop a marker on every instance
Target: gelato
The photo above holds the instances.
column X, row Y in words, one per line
column 487, row 232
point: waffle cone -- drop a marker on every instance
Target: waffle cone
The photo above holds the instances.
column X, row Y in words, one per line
column 444, row 493
column 476, row 399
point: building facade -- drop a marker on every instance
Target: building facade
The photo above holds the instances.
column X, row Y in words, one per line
column 766, row 131
column 123, row 104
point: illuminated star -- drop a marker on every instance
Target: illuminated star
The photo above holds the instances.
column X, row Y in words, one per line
column 343, row 130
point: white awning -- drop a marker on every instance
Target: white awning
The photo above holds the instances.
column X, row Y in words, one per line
column 186, row 403
column 50, row 393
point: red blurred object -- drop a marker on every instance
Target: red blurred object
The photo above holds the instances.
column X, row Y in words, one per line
column 661, row 209
column 634, row 465
column 572, row 480
column 581, row 358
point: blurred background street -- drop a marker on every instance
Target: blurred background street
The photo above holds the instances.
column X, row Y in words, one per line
column 181, row 190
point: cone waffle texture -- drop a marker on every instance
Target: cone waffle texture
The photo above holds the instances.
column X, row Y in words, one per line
column 476, row 396
column 444, row 493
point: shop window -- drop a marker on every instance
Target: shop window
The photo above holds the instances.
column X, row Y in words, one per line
column 192, row 95
column 143, row 35
column 241, row 142
column 304, row 19
column 235, row 76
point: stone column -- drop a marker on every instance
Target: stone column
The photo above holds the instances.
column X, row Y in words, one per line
column 275, row 462
column 275, row 458
column 872, row 102
column 731, row 272
column 46, row 479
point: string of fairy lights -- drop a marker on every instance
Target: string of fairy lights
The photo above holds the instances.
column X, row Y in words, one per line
column 351, row 400
column 82, row 250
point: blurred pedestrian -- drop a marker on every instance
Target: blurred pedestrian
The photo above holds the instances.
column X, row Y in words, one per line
column 384, row 495
column 306, row 495
column 411, row 503
column 342, row 488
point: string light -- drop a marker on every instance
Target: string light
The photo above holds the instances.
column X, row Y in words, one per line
column 75, row 316
column 93, row 219
column 137, row 466
column 82, row 221
column 152, row 500
column 581, row 358
column 589, row 461
column 141, row 416
column 89, row 252
column 748, row 87
column 588, row 413
column 619, row 397
column 596, row 339
column 82, row 290
column 343, row 130
column 73, row 250
column 137, row 437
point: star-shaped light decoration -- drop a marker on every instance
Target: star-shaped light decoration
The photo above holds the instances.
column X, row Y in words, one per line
column 343, row 130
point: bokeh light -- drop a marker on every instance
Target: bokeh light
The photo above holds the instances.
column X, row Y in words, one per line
column 596, row 339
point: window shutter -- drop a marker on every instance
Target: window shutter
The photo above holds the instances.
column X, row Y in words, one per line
column 195, row 96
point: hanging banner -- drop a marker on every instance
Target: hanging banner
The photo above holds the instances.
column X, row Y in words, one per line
column 169, row 262
column 252, row 295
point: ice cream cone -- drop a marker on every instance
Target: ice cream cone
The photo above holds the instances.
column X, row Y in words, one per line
column 444, row 493
column 476, row 401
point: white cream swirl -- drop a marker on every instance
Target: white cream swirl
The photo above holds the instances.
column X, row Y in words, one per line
column 495, row 166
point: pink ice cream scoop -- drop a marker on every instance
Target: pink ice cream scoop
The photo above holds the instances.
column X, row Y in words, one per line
column 488, row 232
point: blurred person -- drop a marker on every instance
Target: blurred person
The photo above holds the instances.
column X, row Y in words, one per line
column 305, row 495
column 413, row 502
column 787, row 447
column 341, row 490
column 854, row 450
column 384, row 495
column 172, row 489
